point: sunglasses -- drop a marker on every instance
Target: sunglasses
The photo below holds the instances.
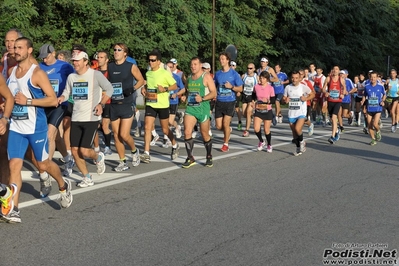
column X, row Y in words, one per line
column 152, row 60
column 250, row 68
column 118, row 49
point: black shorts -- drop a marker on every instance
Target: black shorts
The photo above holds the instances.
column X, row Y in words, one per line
column 55, row 115
column 69, row 110
column 121, row 111
column 372, row 114
column 224, row 108
column 393, row 99
column 333, row 108
column 212, row 104
column 83, row 133
column 246, row 98
column 106, row 111
column 358, row 99
column 162, row 113
column 345, row 106
column 172, row 109
column 264, row 116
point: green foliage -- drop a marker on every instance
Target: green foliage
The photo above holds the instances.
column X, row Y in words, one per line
column 357, row 35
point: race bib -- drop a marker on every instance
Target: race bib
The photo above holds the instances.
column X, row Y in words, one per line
column 118, row 91
column 80, row 91
column 191, row 99
column 55, row 84
column 334, row 94
column 223, row 91
column 373, row 101
column 151, row 96
column 20, row 112
column 248, row 88
column 294, row 104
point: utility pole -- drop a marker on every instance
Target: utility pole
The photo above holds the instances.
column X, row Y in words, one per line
column 213, row 34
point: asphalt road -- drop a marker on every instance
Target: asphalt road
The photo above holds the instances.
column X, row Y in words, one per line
column 251, row 208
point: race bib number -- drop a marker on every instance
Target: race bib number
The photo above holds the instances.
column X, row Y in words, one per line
column 248, row 88
column 56, row 85
column 294, row 104
column 191, row 99
column 373, row 102
column 80, row 91
column 118, row 91
column 261, row 107
column 334, row 94
column 20, row 112
column 151, row 96
column 223, row 91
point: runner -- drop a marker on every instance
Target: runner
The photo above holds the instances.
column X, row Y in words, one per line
column 296, row 95
column 317, row 103
column 250, row 79
column 228, row 83
column 306, row 82
column 86, row 87
column 32, row 92
column 344, row 111
column 279, row 91
column 393, row 97
column 159, row 83
column 359, row 108
column 201, row 89
column 262, row 99
column 334, row 89
column 122, row 75
column 237, row 108
column 375, row 95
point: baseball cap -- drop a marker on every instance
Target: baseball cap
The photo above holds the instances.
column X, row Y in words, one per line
column 206, row 65
column 173, row 60
column 80, row 55
column 232, row 63
column 45, row 50
column 342, row 72
column 371, row 71
column 264, row 59
column 346, row 71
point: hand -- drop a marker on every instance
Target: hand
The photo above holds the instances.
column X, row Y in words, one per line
column 2, row 105
column 382, row 103
column 98, row 109
column 287, row 100
column 183, row 98
column 228, row 85
column 173, row 95
column 20, row 98
column 303, row 98
column 143, row 92
column 3, row 126
column 341, row 96
column 198, row 98
column 61, row 99
column 161, row 88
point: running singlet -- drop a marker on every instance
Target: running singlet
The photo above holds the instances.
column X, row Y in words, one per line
column 196, row 87
column 318, row 83
column 374, row 94
column 227, row 94
column 296, row 107
column 26, row 119
column 335, row 89
column 122, row 81
column 154, row 98
column 249, row 84
column 360, row 88
column 393, row 88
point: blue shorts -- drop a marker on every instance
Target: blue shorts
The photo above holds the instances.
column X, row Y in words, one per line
column 18, row 144
column 279, row 96
column 294, row 120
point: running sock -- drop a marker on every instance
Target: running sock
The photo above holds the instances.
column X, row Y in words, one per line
column 357, row 117
column 154, row 133
column 299, row 139
column 146, row 152
column 107, row 139
column 137, row 117
column 123, row 160
column 208, row 148
column 174, row 146
column 189, row 146
column 134, row 151
column 269, row 138
column 3, row 190
column 43, row 175
column 99, row 158
column 67, row 158
column 97, row 149
column 69, row 152
column 259, row 135
column 65, row 186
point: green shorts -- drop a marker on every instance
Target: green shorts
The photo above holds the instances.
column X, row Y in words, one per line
column 201, row 113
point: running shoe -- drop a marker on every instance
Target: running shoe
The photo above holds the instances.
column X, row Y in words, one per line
column 302, row 146
column 188, row 163
column 378, row 135
column 337, row 135
column 209, row 162
column 194, row 134
column 122, row 166
column 310, row 129
column 154, row 140
column 175, row 152
column 373, row 142
column 107, row 151
column 225, row 148
column 178, row 132
column 269, row 149
column 393, row 128
column 100, row 163
column 239, row 127
column 365, row 131
column 69, row 167
column 13, row 217
column 7, row 204
column 137, row 132
column 297, row 152
column 145, row 158
column 181, row 118
column 86, row 182
column 45, row 186
column 166, row 143
column 350, row 120
column 341, row 129
column 246, row 133
column 136, row 158
column 331, row 140
column 261, row 145
column 66, row 195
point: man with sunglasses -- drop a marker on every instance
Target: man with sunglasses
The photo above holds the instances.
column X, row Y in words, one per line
column 250, row 79
column 159, row 83
column 121, row 75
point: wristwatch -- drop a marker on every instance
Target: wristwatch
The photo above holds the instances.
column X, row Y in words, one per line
column 29, row 101
column 7, row 119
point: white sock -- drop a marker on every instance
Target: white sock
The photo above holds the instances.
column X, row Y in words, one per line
column 138, row 118
column 97, row 149
column 154, row 133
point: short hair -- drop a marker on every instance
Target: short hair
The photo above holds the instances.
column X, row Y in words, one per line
column 196, row 58
column 295, row 72
column 29, row 42
column 105, row 52
column 66, row 54
column 123, row 46
column 265, row 74
column 156, row 53
column 19, row 33
column 79, row 47
column 227, row 55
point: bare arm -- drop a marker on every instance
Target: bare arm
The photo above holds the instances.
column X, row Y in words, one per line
column 139, row 78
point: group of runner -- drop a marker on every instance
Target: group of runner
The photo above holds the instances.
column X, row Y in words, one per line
column 48, row 103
